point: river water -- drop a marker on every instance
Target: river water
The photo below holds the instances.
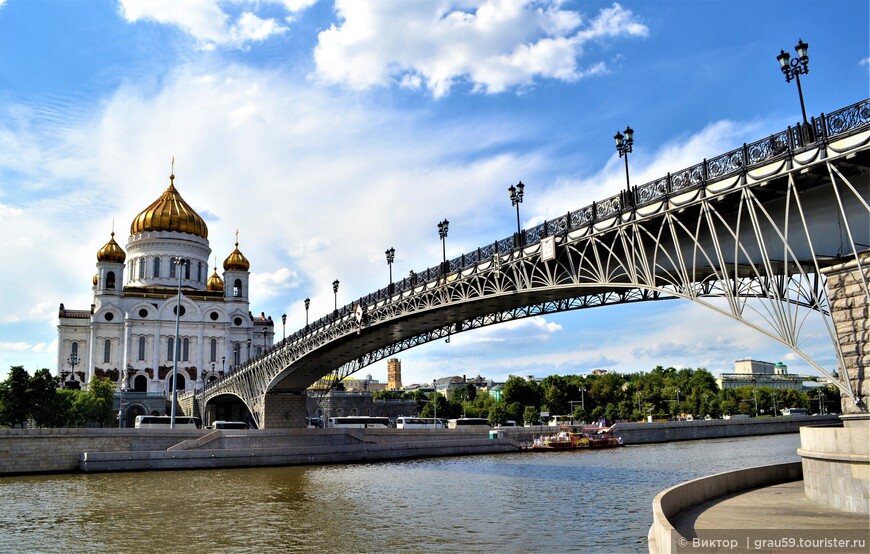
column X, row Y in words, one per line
column 582, row 501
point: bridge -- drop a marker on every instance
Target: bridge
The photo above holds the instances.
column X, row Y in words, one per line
column 771, row 234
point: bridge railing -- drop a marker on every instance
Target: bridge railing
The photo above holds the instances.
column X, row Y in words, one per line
column 781, row 145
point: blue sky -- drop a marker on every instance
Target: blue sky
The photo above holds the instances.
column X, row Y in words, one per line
column 329, row 131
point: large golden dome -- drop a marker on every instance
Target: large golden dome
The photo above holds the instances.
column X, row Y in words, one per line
column 169, row 213
column 236, row 261
column 111, row 252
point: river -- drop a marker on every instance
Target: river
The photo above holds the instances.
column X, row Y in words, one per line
column 582, row 501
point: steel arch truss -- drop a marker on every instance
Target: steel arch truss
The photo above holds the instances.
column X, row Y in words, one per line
column 751, row 247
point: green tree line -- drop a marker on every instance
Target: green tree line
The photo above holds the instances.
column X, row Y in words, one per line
column 41, row 399
column 663, row 393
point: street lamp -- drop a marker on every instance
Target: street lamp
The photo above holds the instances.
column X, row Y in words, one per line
column 774, row 405
column 793, row 70
column 73, row 361
column 442, row 233
column 391, row 256
column 179, row 262
column 678, row 404
column 335, row 292
column 583, row 398
column 223, row 365
column 122, row 385
column 283, row 326
column 623, row 146
column 755, row 393
column 516, row 196
column 307, row 304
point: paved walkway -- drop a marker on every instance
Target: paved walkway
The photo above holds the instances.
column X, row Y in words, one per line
column 779, row 512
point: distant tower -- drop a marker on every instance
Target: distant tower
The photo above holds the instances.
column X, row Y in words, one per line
column 394, row 374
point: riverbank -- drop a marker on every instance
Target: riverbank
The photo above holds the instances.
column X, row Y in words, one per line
column 34, row 451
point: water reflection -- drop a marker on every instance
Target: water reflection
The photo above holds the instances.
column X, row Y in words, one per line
column 528, row 502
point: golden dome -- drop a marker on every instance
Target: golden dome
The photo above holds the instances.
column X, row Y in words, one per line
column 215, row 283
column 236, row 261
column 96, row 278
column 111, row 252
column 169, row 213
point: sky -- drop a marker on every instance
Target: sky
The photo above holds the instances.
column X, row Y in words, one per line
column 329, row 131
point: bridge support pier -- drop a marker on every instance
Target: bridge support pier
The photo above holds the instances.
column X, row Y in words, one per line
column 283, row 410
column 849, row 301
column 836, row 462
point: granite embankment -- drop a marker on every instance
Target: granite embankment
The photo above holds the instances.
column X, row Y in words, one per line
column 29, row 451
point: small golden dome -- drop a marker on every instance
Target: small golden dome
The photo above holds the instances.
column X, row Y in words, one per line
column 111, row 252
column 96, row 278
column 236, row 261
column 169, row 213
column 215, row 283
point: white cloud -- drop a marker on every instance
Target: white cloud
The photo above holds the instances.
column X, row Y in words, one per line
column 864, row 61
column 15, row 346
column 491, row 44
column 204, row 20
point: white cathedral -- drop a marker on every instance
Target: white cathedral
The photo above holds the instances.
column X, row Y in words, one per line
column 129, row 332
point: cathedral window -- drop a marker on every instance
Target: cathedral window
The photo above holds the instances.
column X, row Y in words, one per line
column 185, row 350
column 110, row 280
column 213, row 353
column 170, row 349
column 199, row 271
column 75, row 349
column 237, row 288
column 141, row 349
column 172, row 268
column 187, row 269
column 236, row 349
column 142, row 268
column 107, row 351
column 156, row 273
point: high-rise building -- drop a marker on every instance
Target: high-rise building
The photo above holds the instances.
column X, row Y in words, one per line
column 394, row 374
column 129, row 333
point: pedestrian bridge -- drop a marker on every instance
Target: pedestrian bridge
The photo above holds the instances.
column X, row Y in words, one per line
column 753, row 233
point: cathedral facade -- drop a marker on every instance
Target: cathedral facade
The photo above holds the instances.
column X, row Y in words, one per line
column 129, row 333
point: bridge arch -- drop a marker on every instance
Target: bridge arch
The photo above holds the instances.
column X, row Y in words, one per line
column 752, row 227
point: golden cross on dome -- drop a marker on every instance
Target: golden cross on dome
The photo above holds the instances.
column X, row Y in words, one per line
column 172, row 170
column 237, row 238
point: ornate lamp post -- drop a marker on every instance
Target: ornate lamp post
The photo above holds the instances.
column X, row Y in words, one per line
column 391, row 256
column 179, row 262
column 442, row 233
column 307, row 305
column 755, row 393
column 793, row 70
column 283, row 326
column 73, row 361
column 623, row 146
column 223, row 365
column 335, row 292
column 516, row 196
column 122, row 386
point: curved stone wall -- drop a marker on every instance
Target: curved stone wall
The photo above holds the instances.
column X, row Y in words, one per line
column 836, row 466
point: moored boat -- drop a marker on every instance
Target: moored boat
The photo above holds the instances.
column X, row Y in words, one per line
column 572, row 437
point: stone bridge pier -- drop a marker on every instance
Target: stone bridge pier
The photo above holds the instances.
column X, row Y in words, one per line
column 283, row 410
column 836, row 461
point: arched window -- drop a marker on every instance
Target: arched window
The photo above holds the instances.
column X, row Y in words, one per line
column 170, row 349
column 141, row 349
column 172, row 268
column 140, row 383
column 213, row 353
column 74, row 350
column 142, row 268
column 110, row 280
column 156, row 272
column 237, row 288
column 187, row 269
column 185, row 349
column 199, row 271
column 259, row 350
column 236, row 349
column 107, row 351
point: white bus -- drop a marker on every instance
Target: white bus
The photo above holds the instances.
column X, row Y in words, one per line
column 794, row 411
column 359, row 422
column 165, row 422
column 464, row 422
column 419, row 423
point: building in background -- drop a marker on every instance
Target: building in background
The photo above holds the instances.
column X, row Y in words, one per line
column 129, row 333
column 749, row 372
column 394, row 374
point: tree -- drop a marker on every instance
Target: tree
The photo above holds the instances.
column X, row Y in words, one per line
column 497, row 414
column 517, row 389
column 103, row 392
column 13, row 391
column 42, row 391
column 530, row 415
